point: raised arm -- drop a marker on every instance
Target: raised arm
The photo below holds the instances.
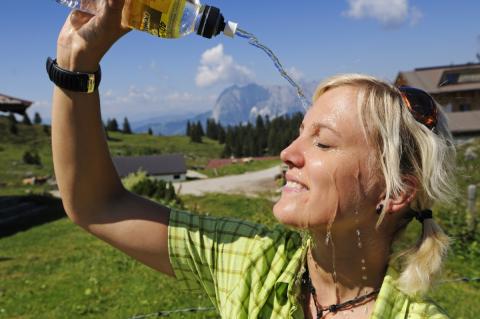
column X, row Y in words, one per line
column 91, row 190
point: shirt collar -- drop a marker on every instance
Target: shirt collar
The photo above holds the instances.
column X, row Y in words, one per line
column 288, row 286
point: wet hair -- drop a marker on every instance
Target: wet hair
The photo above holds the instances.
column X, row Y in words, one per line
column 405, row 148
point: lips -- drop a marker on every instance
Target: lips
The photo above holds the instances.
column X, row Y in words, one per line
column 293, row 184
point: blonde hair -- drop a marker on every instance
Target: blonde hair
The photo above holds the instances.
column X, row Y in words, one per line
column 406, row 148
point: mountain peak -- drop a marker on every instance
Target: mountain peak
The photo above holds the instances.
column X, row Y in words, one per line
column 240, row 104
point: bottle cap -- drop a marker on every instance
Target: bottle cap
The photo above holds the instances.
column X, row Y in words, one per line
column 211, row 23
column 230, row 29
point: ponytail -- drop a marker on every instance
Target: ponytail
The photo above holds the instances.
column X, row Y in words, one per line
column 424, row 261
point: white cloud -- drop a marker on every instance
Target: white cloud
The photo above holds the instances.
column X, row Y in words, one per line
column 217, row 67
column 390, row 13
column 43, row 108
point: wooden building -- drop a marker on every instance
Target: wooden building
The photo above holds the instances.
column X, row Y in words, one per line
column 455, row 87
column 9, row 104
column 170, row 168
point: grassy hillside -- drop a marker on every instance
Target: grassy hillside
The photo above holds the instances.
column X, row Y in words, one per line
column 34, row 138
column 59, row 271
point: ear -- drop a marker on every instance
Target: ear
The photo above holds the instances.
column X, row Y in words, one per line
column 403, row 200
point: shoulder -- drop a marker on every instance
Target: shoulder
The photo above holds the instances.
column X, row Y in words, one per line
column 426, row 308
column 221, row 228
column 395, row 304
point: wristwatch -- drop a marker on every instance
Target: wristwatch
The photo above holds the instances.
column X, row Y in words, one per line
column 73, row 81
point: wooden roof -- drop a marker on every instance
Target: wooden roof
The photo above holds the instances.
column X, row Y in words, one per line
column 172, row 164
column 435, row 80
column 13, row 104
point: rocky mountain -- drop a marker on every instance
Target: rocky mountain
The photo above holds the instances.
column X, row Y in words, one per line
column 240, row 104
column 243, row 104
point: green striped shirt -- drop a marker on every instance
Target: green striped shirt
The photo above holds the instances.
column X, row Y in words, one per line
column 251, row 271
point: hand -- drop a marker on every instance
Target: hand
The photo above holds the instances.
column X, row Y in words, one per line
column 84, row 39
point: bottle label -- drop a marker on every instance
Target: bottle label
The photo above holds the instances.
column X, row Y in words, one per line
column 161, row 18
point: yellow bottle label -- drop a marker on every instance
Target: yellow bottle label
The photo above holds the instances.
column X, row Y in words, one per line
column 161, row 18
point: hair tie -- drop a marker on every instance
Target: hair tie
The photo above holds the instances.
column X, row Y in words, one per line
column 422, row 215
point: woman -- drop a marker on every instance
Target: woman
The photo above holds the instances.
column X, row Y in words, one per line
column 369, row 158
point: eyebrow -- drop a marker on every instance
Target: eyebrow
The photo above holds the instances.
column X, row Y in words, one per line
column 318, row 125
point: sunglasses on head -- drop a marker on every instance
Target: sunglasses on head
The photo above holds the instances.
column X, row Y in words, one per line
column 421, row 105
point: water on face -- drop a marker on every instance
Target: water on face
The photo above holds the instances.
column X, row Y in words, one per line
column 359, row 245
column 254, row 41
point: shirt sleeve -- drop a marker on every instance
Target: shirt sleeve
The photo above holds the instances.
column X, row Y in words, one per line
column 209, row 253
column 222, row 255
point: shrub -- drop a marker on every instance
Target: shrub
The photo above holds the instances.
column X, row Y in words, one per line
column 31, row 158
column 139, row 183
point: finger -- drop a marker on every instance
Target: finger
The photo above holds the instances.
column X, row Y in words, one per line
column 116, row 4
column 113, row 8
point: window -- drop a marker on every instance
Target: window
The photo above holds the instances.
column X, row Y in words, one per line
column 459, row 77
column 176, row 176
column 465, row 107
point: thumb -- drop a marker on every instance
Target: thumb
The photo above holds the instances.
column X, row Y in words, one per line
column 78, row 19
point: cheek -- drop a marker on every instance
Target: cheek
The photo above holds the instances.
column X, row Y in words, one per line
column 337, row 191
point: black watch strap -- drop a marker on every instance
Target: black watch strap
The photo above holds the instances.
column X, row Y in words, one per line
column 73, row 81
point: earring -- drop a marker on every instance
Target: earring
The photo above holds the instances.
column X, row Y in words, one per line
column 379, row 209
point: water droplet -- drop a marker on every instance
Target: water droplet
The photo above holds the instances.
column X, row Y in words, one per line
column 364, row 268
column 328, row 237
column 363, row 261
column 364, row 277
column 359, row 245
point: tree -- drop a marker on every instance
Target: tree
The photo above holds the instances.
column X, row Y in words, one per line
column 221, row 134
column 196, row 133
column 26, row 119
column 12, row 128
column 150, row 132
column 12, row 118
column 170, row 192
column 200, row 129
column 112, row 125
column 212, row 129
column 46, row 130
column 126, row 126
column 188, row 129
column 37, row 119
column 161, row 189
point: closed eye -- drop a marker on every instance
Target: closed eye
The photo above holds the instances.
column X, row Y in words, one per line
column 320, row 145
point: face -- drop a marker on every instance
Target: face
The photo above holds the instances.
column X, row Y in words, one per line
column 328, row 175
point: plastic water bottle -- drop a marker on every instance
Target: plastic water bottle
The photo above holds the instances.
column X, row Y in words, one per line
column 165, row 18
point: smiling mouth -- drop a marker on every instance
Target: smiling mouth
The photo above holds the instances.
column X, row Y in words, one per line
column 292, row 186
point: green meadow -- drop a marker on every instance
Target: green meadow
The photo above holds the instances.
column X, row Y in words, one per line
column 56, row 270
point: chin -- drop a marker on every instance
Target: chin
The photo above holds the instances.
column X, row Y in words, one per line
column 287, row 215
column 290, row 213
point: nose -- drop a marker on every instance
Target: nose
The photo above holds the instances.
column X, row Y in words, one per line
column 293, row 155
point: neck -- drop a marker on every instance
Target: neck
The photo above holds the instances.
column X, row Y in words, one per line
column 350, row 263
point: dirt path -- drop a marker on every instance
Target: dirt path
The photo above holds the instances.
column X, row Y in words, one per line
column 247, row 183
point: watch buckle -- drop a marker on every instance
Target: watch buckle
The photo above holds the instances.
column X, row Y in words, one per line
column 91, row 83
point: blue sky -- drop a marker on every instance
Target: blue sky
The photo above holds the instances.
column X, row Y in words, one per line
column 146, row 77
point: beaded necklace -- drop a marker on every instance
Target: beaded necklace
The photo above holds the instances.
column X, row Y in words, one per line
column 349, row 304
